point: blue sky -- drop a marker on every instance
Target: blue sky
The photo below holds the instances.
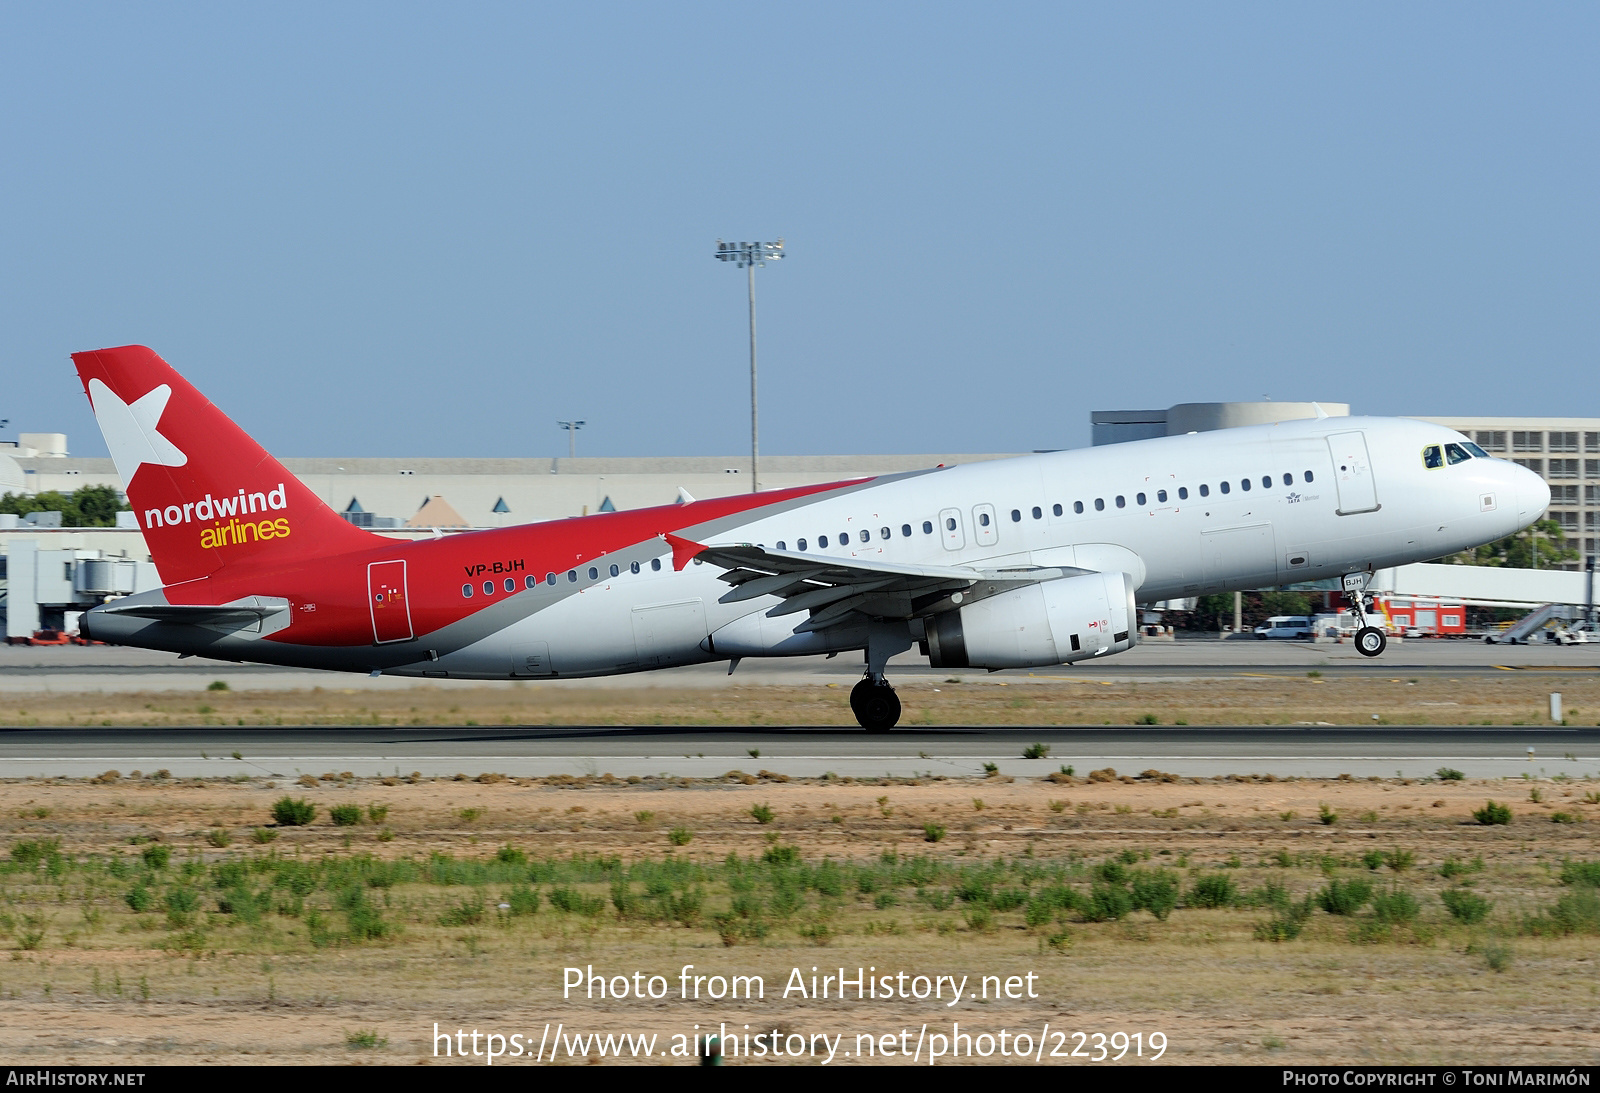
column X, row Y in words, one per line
column 403, row 229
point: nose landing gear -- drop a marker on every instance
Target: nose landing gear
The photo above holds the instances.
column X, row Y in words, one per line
column 1370, row 640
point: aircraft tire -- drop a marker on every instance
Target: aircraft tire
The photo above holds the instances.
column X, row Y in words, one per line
column 876, row 706
column 1370, row 641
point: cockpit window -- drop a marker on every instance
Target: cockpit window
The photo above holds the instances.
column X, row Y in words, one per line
column 1475, row 450
column 1455, row 453
column 1432, row 457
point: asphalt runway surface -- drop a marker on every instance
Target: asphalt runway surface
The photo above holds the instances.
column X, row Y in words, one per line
column 1313, row 751
column 1306, row 751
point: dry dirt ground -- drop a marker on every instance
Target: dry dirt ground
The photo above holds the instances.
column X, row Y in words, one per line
column 1503, row 698
column 90, row 979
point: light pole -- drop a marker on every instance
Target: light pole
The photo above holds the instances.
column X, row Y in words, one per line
column 748, row 256
column 571, row 428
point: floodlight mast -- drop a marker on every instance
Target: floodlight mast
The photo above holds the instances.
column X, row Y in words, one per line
column 571, row 428
column 748, row 256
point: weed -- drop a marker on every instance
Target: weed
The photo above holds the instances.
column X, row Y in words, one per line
column 217, row 685
column 1068, row 771
column 1536, row 795
column 933, row 832
column 363, row 1039
column 781, row 854
column 1395, row 907
column 680, row 836
column 1147, row 719
column 1344, row 897
column 263, row 834
column 32, row 852
column 574, row 902
column 1564, row 817
column 1581, row 873
column 139, row 898
column 755, row 753
column 156, row 856
column 1212, row 890
column 218, row 837
column 465, row 913
column 376, row 814
column 977, row 804
column 1497, row 955
column 345, row 815
column 1464, row 906
column 644, row 817
column 1059, row 806
column 1327, row 815
column 1036, row 751
column 1448, row 774
column 762, row 814
column 1314, row 674
column 1399, row 860
column 1373, row 859
column 469, row 815
column 1156, row 891
column 991, row 768
column 1491, row 814
column 293, row 811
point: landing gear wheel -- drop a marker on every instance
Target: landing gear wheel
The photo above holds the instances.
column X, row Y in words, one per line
column 876, row 706
column 1370, row 641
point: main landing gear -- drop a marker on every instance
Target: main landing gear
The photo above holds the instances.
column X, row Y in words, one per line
column 873, row 701
column 1370, row 640
column 875, row 704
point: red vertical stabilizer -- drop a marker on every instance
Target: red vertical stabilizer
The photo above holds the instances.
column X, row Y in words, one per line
column 204, row 493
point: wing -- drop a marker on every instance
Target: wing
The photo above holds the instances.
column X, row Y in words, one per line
column 834, row 589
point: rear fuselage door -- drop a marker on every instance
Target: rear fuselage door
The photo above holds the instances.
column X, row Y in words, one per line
column 386, row 595
column 1352, row 471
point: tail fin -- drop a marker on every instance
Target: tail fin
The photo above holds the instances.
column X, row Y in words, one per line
column 206, row 495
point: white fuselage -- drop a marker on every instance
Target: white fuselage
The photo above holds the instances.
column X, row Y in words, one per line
column 1183, row 516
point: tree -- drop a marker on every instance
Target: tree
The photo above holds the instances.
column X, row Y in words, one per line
column 89, row 507
column 1542, row 546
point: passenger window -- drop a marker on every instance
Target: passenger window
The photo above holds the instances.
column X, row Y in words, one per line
column 1183, row 493
column 1244, row 484
column 594, row 574
column 531, row 581
column 1016, row 516
column 1077, row 506
column 844, row 538
column 466, row 591
column 1205, row 491
column 1055, row 509
column 1225, row 487
column 572, row 575
column 1161, row 495
column 1266, row 481
column 511, row 585
column 885, row 533
column 1288, row 479
column 1310, row 477
column 615, row 572
column 927, row 527
column 983, row 519
column 1455, row 453
column 633, row 568
column 655, row 564
column 1099, row 504
column 1140, row 500
column 1122, row 502
column 822, row 542
column 549, row 578
column 1432, row 457
column 905, row 531
column 800, row 545
column 1038, row 513
column 488, row 588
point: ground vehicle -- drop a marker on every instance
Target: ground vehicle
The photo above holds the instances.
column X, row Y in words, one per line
column 1293, row 627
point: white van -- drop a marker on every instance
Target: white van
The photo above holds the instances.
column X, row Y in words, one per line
column 1285, row 626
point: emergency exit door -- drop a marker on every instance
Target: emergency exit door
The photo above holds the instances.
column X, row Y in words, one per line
column 1353, row 473
column 386, row 596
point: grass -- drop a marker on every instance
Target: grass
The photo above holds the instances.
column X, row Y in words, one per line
column 1492, row 814
column 762, row 814
column 364, row 1040
column 680, row 836
column 1036, row 751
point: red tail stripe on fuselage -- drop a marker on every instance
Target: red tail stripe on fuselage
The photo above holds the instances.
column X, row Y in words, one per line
column 329, row 595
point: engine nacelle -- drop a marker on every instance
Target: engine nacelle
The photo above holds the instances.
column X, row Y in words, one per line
column 1055, row 622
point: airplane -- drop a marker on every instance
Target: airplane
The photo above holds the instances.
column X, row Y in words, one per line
column 1025, row 562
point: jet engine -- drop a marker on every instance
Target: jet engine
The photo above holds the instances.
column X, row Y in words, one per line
column 1055, row 622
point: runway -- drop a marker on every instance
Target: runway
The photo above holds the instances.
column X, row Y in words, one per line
column 1310, row 751
column 110, row 669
